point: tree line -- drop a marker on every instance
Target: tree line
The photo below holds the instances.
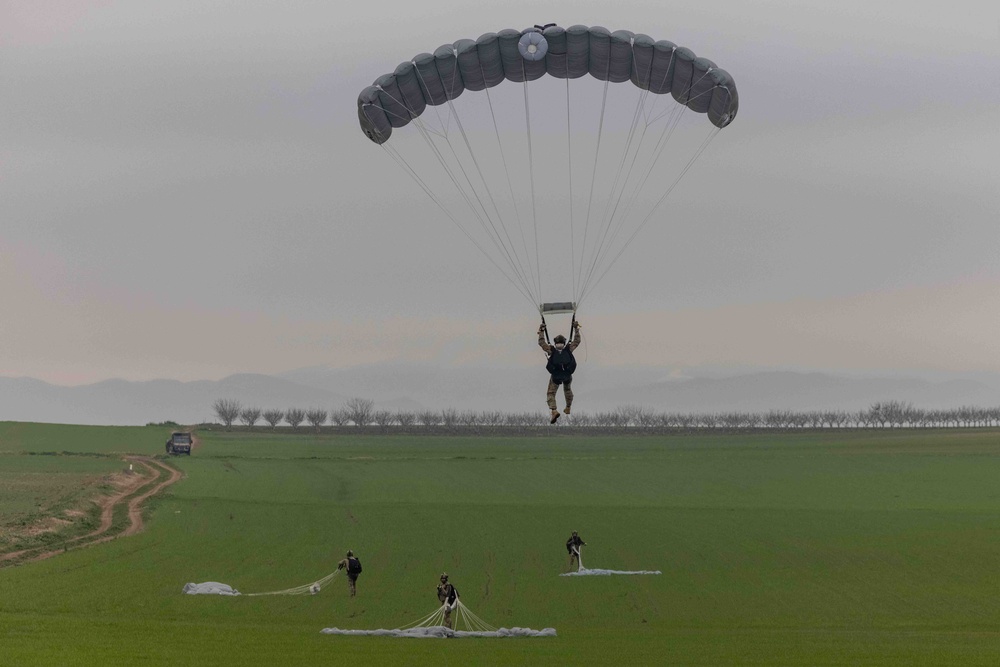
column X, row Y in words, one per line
column 361, row 412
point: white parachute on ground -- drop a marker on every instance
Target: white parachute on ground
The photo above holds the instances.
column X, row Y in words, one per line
column 584, row 572
column 432, row 626
column 210, row 588
column 590, row 572
column 215, row 588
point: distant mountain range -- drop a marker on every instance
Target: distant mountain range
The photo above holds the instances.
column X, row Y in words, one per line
column 416, row 387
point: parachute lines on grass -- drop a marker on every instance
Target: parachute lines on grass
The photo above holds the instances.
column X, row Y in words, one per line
column 467, row 624
column 591, row 572
column 216, row 588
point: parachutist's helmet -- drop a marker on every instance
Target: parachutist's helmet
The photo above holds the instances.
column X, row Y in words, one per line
column 574, row 533
column 350, row 554
column 444, row 576
column 559, row 339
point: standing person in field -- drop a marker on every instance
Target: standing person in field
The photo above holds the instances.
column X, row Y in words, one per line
column 353, row 567
column 447, row 596
column 573, row 545
column 560, row 366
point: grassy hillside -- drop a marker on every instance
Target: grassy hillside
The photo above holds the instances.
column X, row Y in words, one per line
column 828, row 548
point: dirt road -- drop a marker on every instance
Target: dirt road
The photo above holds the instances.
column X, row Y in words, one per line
column 151, row 470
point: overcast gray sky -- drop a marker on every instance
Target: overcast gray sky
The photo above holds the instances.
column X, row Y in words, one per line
column 185, row 193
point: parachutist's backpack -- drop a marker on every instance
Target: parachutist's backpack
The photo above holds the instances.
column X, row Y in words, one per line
column 353, row 566
column 561, row 365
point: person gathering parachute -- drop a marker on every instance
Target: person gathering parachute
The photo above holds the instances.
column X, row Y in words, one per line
column 447, row 595
column 352, row 565
column 551, row 213
column 573, row 545
column 561, row 366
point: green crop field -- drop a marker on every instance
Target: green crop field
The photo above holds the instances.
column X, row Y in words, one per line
column 827, row 548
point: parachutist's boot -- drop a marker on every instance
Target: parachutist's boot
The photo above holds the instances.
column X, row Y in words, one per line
column 566, row 410
column 555, row 416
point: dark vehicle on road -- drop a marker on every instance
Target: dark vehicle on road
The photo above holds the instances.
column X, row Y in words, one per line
column 179, row 443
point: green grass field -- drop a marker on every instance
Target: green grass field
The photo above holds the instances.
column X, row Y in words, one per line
column 792, row 549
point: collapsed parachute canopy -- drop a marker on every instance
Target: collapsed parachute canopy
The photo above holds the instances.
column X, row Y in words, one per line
column 565, row 53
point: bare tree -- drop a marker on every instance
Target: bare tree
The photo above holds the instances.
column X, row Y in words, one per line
column 227, row 410
column 250, row 416
column 361, row 410
column 340, row 417
column 383, row 418
column 274, row 417
column 294, row 417
column 316, row 417
column 405, row 419
column 449, row 417
column 428, row 418
column 644, row 417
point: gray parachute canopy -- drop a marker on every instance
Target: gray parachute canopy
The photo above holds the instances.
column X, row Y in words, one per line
column 553, row 211
column 566, row 53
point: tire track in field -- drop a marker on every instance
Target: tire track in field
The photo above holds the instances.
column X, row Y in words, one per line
column 155, row 470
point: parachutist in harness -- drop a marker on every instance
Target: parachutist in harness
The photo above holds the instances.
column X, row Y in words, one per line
column 448, row 597
column 561, row 365
column 353, row 567
column 573, row 545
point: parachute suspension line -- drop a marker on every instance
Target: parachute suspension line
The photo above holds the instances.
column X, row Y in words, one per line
column 611, row 209
column 593, row 176
column 525, row 277
column 405, row 166
column 701, row 149
column 639, row 112
column 607, row 219
column 448, row 170
column 503, row 156
column 678, row 112
column 464, row 619
column 676, row 115
column 310, row 589
column 569, row 172
column 486, row 224
column 531, row 176
column 508, row 247
column 472, row 622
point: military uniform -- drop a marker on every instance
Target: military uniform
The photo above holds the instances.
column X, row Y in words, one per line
column 573, row 545
column 550, row 394
column 353, row 571
column 447, row 595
